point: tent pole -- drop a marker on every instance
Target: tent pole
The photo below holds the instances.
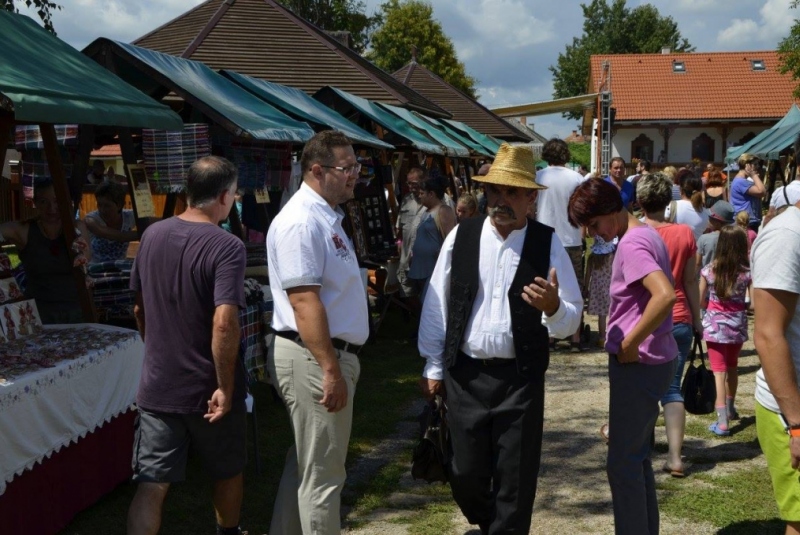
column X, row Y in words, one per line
column 67, row 215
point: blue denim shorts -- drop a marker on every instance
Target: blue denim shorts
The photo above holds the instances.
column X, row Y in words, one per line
column 684, row 336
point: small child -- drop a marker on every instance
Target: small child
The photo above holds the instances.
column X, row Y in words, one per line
column 725, row 281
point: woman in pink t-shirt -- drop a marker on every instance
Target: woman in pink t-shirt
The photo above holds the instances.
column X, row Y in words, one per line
column 655, row 192
column 642, row 350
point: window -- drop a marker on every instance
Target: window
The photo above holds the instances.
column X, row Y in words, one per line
column 642, row 148
column 678, row 66
column 703, row 148
column 758, row 65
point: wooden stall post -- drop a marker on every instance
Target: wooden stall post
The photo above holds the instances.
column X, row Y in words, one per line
column 67, row 214
column 5, row 139
column 80, row 166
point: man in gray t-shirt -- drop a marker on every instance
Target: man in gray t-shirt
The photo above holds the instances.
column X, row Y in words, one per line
column 189, row 279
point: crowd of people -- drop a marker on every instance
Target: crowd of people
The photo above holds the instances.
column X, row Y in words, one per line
column 672, row 260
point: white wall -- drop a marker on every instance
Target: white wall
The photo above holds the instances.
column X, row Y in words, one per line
column 680, row 143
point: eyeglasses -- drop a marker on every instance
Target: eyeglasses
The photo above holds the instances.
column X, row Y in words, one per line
column 349, row 170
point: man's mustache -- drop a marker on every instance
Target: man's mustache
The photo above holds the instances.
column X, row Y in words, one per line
column 506, row 210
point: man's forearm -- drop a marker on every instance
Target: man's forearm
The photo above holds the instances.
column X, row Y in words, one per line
column 225, row 341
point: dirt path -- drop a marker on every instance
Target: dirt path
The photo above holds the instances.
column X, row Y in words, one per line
column 573, row 494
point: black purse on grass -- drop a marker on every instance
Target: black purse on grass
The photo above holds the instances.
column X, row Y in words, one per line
column 431, row 457
column 698, row 389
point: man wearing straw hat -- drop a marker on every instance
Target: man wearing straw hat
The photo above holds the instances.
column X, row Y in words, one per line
column 494, row 300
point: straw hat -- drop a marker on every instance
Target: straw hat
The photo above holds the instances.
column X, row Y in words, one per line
column 514, row 167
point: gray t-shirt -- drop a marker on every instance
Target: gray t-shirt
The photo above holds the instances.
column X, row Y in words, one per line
column 184, row 271
column 707, row 246
column 775, row 263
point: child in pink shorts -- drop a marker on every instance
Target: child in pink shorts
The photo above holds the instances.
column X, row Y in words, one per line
column 725, row 282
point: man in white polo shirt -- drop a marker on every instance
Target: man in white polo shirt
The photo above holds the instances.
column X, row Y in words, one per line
column 321, row 320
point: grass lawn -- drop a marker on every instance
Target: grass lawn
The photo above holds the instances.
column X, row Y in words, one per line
column 389, row 371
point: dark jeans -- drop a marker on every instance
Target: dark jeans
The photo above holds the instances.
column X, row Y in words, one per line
column 495, row 418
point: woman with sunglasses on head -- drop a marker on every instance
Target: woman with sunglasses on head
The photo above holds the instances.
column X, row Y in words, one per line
column 46, row 258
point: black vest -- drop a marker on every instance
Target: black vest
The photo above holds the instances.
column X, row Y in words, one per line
column 530, row 336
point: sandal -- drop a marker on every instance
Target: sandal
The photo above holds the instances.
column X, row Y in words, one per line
column 717, row 430
column 674, row 472
column 575, row 347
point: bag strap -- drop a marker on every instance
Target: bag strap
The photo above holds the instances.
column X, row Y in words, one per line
column 697, row 350
column 437, row 221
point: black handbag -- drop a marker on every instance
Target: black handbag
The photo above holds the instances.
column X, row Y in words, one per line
column 431, row 458
column 698, row 389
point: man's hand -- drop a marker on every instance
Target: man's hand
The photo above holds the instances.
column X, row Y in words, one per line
column 543, row 294
column 218, row 406
column 794, row 452
column 334, row 392
column 628, row 354
column 430, row 387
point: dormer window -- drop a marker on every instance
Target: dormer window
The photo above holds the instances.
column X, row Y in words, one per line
column 678, row 66
column 758, row 65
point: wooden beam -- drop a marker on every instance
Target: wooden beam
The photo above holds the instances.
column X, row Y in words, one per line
column 80, row 167
column 5, row 139
column 67, row 216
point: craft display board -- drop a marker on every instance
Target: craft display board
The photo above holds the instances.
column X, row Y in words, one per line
column 368, row 221
column 140, row 191
column 18, row 317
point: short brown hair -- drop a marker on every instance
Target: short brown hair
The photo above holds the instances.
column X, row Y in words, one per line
column 593, row 198
column 556, row 152
column 113, row 191
column 319, row 149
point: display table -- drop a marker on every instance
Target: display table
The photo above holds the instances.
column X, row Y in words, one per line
column 67, row 429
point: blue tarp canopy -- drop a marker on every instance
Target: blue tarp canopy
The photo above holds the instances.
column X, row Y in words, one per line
column 769, row 143
column 224, row 102
column 298, row 104
column 402, row 133
column 44, row 80
column 462, row 138
column 453, row 147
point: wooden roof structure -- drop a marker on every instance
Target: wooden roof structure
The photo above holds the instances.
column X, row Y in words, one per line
column 463, row 107
column 263, row 39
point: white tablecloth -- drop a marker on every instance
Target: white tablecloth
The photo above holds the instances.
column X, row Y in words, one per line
column 45, row 410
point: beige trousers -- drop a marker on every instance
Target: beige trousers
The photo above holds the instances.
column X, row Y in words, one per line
column 309, row 494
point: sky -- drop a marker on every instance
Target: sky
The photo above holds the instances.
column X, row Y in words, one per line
column 507, row 45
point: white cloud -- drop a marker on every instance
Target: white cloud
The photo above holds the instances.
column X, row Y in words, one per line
column 777, row 17
column 740, row 33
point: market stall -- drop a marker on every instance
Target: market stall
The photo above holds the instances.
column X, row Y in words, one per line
column 65, row 395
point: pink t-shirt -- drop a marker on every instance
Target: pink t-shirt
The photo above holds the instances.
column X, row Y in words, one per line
column 640, row 252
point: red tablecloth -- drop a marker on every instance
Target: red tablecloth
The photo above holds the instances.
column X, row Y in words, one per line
column 43, row 500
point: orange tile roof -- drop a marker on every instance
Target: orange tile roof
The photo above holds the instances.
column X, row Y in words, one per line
column 715, row 86
column 107, row 151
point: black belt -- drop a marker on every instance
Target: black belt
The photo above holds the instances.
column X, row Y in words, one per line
column 487, row 362
column 338, row 343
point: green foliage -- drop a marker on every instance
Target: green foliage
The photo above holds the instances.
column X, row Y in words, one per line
column 338, row 15
column 43, row 8
column 581, row 153
column 789, row 52
column 612, row 29
column 408, row 24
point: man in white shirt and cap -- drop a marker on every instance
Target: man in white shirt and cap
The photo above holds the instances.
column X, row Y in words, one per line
column 494, row 299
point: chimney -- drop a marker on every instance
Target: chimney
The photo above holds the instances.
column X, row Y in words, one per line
column 343, row 37
column 666, row 50
column 523, row 120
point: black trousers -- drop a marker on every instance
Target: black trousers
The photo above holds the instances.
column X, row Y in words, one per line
column 495, row 417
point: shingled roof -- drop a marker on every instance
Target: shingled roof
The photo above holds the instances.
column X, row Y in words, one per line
column 695, row 86
column 463, row 107
column 263, row 39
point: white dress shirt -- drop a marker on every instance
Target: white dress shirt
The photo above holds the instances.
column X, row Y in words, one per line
column 306, row 246
column 488, row 333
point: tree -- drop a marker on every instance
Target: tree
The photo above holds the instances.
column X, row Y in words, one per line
column 338, row 15
column 612, row 29
column 43, row 8
column 409, row 24
column 789, row 52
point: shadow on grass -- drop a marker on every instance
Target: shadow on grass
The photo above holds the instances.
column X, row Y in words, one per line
column 774, row 526
column 390, row 368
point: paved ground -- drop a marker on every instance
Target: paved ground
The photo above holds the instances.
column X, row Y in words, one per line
column 573, row 494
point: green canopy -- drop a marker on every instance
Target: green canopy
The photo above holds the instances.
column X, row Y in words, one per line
column 298, row 104
column 487, row 141
column 453, row 147
column 44, row 80
column 462, row 138
column 224, row 102
column 770, row 142
column 350, row 105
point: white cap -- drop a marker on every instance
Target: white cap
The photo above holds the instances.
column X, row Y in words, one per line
column 780, row 195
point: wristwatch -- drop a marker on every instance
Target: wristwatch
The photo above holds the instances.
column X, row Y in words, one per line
column 793, row 430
